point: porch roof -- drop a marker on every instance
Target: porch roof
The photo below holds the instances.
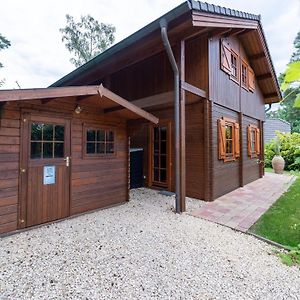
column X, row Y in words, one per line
column 107, row 99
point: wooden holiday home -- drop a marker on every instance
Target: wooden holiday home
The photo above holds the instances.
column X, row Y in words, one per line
column 196, row 82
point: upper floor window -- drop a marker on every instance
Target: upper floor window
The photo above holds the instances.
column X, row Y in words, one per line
column 244, row 75
column 99, row 142
column 234, row 66
column 228, row 139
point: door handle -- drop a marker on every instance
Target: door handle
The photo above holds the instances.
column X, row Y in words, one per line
column 67, row 160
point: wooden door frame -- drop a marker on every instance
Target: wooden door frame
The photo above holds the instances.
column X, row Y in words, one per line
column 24, row 158
column 168, row 124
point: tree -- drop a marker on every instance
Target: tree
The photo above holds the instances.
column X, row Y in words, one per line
column 4, row 43
column 87, row 38
column 290, row 85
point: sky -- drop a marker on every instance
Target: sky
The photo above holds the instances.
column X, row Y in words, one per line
column 37, row 56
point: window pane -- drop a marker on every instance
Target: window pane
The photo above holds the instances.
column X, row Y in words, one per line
column 59, row 133
column 109, row 136
column 35, row 150
column 101, row 148
column 156, row 161
column 48, row 132
column 47, row 150
column 228, row 132
column 90, row 148
column 163, row 175
column 100, row 135
column 229, row 147
column 163, row 133
column 163, row 161
column 163, row 148
column 59, row 150
column 109, row 147
column 36, row 132
column 90, row 135
column 156, row 175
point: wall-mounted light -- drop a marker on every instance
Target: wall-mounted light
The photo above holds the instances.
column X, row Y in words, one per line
column 78, row 109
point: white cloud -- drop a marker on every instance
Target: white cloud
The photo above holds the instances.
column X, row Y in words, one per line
column 38, row 57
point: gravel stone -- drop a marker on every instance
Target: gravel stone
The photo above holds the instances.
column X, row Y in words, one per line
column 142, row 250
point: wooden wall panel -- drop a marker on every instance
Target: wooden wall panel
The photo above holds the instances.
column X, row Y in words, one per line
column 225, row 174
column 251, row 168
column 9, row 168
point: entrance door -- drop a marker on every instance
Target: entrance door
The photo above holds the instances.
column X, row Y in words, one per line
column 46, row 174
column 160, row 156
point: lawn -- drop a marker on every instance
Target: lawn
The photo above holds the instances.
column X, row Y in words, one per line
column 281, row 223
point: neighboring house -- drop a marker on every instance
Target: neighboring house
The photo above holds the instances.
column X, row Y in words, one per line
column 205, row 145
column 271, row 126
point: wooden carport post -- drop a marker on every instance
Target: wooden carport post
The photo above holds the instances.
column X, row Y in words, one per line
column 182, row 130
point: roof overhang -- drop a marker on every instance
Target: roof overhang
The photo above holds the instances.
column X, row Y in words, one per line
column 104, row 97
column 199, row 17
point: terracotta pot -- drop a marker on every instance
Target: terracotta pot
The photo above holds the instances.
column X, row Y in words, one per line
column 278, row 164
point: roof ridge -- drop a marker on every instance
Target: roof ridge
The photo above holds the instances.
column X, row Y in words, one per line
column 217, row 9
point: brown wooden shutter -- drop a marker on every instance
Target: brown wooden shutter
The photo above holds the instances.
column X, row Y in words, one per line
column 222, row 138
column 251, row 76
column 236, row 140
column 225, row 57
column 257, row 142
column 249, row 140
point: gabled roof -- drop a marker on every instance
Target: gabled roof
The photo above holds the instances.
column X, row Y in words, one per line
column 210, row 16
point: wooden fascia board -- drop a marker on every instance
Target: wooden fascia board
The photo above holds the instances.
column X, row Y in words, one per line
column 126, row 104
column 267, row 55
column 47, row 93
column 192, row 89
column 217, row 21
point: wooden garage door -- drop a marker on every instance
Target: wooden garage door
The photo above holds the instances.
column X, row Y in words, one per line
column 45, row 174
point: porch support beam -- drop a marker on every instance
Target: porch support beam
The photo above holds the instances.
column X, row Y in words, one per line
column 184, row 86
column 192, row 89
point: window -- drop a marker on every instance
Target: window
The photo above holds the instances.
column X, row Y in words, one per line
column 234, row 66
column 253, row 141
column 99, row 142
column 228, row 139
column 244, row 75
column 47, row 141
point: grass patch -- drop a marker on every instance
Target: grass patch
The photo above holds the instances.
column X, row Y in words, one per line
column 281, row 223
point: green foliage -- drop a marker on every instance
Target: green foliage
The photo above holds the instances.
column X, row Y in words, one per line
column 87, row 38
column 292, row 257
column 4, row 43
column 289, row 150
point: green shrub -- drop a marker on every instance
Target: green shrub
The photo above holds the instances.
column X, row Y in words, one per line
column 289, row 144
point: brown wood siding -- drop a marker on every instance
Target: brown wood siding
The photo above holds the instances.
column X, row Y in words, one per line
column 225, row 174
column 228, row 93
column 9, row 168
column 139, row 138
column 250, row 166
column 95, row 182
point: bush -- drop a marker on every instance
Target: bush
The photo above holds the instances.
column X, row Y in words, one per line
column 289, row 150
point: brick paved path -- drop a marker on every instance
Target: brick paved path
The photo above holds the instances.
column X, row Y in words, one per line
column 241, row 208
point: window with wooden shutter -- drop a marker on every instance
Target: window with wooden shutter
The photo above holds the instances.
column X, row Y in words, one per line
column 228, row 139
column 253, row 141
column 222, row 138
column 225, row 56
column 237, row 140
column 251, row 80
column 244, row 75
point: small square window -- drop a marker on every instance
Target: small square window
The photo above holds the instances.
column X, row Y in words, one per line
column 99, row 142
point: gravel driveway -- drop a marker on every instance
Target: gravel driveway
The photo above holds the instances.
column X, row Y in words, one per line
column 141, row 250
